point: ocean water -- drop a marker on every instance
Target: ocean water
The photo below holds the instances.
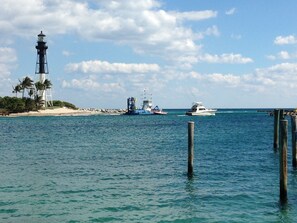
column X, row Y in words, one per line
column 134, row 169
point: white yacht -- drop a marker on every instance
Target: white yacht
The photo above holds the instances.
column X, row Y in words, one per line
column 198, row 109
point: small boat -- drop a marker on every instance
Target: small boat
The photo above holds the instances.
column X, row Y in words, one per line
column 198, row 109
column 158, row 111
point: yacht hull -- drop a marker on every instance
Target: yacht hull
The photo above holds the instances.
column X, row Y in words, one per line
column 210, row 113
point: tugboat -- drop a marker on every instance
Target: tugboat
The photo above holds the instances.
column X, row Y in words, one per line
column 146, row 109
column 132, row 110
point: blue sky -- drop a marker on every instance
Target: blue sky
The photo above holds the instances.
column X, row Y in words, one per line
column 225, row 53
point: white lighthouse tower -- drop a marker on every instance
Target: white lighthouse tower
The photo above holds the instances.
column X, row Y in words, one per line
column 44, row 91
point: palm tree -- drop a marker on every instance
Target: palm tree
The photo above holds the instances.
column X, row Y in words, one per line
column 31, row 92
column 35, row 90
column 39, row 86
column 17, row 89
column 47, row 84
column 21, row 88
column 27, row 83
column 38, row 101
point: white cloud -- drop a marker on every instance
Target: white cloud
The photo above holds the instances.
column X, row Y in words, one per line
column 128, row 5
column 230, row 79
column 225, row 58
column 280, row 77
column 284, row 40
column 210, row 31
column 283, row 55
column 97, row 66
column 7, row 61
column 196, row 15
column 141, row 24
column 280, row 69
column 7, row 55
column 91, row 84
column 217, row 78
column 230, row 11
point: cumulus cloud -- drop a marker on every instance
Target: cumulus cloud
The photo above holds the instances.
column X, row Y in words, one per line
column 225, row 58
column 97, row 66
column 277, row 78
column 284, row 40
column 280, row 78
column 280, row 69
column 143, row 24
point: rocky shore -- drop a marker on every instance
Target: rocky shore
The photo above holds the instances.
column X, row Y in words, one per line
column 287, row 112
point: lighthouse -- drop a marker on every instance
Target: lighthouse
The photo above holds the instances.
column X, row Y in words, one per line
column 43, row 86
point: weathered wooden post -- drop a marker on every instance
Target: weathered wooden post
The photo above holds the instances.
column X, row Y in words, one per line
column 276, row 128
column 190, row 147
column 281, row 114
column 294, row 139
column 283, row 169
column 294, row 152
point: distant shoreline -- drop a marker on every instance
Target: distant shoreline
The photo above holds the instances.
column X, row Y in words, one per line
column 92, row 111
column 68, row 112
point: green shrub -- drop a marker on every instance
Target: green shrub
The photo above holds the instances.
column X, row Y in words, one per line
column 15, row 105
column 57, row 103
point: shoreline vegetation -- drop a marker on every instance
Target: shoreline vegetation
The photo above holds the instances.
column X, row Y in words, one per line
column 33, row 102
column 15, row 107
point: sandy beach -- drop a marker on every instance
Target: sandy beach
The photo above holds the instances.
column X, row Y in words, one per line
column 68, row 112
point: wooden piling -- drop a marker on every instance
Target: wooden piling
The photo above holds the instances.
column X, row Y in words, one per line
column 190, row 147
column 294, row 140
column 281, row 114
column 276, row 128
column 283, row 170
column 294, row 152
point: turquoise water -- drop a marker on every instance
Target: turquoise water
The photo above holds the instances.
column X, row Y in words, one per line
column 133, row 169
